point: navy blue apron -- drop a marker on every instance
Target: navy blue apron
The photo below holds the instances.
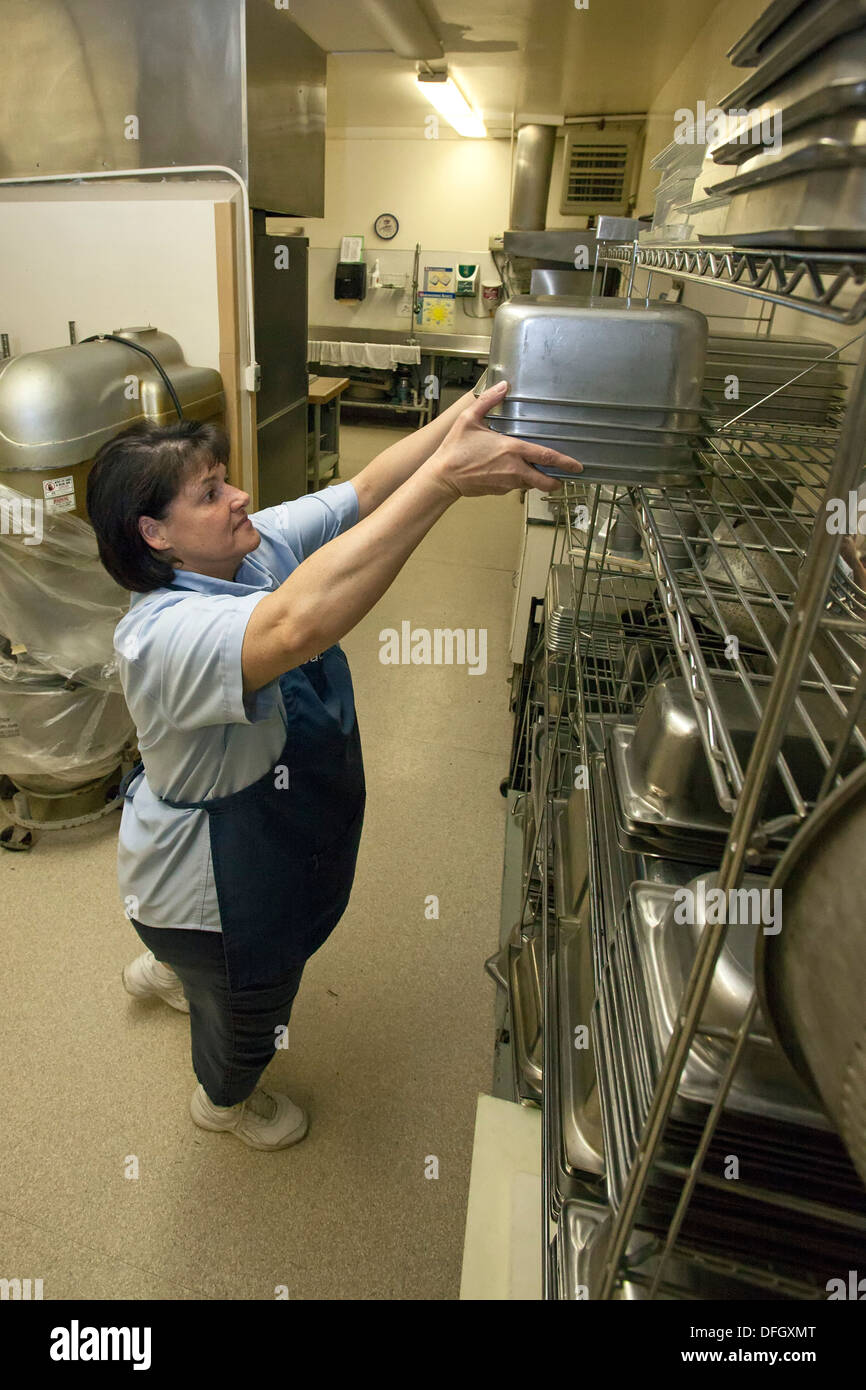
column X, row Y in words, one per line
column 284, row 848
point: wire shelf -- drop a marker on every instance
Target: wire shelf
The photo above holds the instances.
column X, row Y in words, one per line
column 719, row 561
column 816, row 283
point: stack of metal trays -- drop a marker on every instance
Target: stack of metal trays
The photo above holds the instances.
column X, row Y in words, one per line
column 614, row 383
column 664, row 797
column 789, row 1157
column 559, row 610
column 761, row 366
column 806, row 100
column 618, row 644
column 786, row 1150
column 583, row 1236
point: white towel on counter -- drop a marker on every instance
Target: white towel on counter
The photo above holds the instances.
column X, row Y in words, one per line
column 381, row 356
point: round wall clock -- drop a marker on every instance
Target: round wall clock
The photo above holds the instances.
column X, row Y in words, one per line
column 386, row 226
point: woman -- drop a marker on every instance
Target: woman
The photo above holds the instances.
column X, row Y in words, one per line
column 240, row 829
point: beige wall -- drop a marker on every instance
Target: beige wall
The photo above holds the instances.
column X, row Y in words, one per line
column 450, row 195
column 109, row 258
column 116, row 257
column 703, row 74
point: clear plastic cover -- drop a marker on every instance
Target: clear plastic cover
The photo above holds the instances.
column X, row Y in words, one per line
column 55, row 734
column 55, row 597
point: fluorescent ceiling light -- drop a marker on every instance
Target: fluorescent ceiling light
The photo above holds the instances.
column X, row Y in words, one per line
column 443, row 93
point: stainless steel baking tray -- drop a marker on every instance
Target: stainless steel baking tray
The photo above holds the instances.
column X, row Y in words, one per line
column 820, row 209
column 789, row 31
column 842, row 62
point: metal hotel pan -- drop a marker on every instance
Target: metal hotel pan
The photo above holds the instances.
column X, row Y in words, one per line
column 785, row 86
column 611, row 352
column 830, row 81
column 581, row 1139
column 814, row 209
column 634, row 464
column 765, row 1084
column 810, row 154
column 614, row 432
column 660, row 772
column 812, row 976
column 777, row 352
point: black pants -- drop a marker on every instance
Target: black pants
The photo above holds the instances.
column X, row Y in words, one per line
column 233, row 1032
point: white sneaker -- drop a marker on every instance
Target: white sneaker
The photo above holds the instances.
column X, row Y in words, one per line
column 264, row 1120
column 147, row 976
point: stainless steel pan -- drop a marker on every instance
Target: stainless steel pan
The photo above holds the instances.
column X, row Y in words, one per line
column 790, row 31
column 613, row 352
column 812, row 975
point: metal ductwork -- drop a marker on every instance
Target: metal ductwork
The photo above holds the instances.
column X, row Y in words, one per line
column 532, row 169
column 405, row 28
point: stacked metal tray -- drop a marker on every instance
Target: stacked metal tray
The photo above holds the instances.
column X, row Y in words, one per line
column 795, row 381
column 787, row 1153
column 800, row 147
column 663, row 794
column 613, row 383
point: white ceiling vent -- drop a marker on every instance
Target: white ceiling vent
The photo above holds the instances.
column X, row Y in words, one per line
column 600, row 168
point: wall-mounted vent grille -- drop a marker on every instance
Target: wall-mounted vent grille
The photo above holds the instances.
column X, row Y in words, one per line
column 599, row 168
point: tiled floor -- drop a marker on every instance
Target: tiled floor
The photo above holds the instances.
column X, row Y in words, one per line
column 391, row 1038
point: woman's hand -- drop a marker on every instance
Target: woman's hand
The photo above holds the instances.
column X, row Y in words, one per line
column 475, row 461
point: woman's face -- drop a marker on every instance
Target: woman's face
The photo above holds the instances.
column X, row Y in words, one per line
column 206, row 526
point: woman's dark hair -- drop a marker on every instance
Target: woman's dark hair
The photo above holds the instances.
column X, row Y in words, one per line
column 139, row 473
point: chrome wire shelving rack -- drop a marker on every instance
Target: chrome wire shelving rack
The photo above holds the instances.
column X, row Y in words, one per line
column 740, row 596
column 829, row 284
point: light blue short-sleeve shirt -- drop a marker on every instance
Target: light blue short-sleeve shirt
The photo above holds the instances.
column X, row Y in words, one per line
column 179, row 655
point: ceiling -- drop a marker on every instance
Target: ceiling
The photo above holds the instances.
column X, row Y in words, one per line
column 520, row 58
